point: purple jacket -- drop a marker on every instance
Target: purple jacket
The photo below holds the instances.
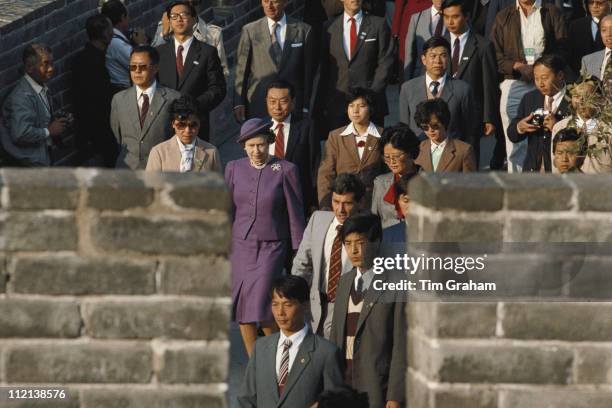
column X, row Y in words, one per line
column 267, row 203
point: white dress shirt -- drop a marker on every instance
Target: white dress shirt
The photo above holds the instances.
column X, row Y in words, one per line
column 441, row 81
column 286, row 129
column 150, row 91
column 462, row 41
column 350, row 130
column 327, row 249
column 296, row 341
column 435, row 16
column 347, row 31
column 366, row 276
column 118, row 59
column 42, row 92
column 185, row 45
column 532, row 31
column 605, row 61
column 556, row 99
column 590, row 124
column 281, row 29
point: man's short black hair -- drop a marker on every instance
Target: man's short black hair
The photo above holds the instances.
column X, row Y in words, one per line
column 32, row 53
column 342, row 397
column 291, row 287
column 346, row 183
column 114, row 10
column 190, row 7
column 402, row 138
column 153, row 53
column 436, row 107
column 434, row 42
column 96, row 26
column 551, row 61
column 461, row 3
column 366, row 94
column 281, row 84
column 568, row 134
column 401, row 186
column 362, row 223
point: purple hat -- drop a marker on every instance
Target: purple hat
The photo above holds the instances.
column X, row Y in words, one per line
column 253, row 128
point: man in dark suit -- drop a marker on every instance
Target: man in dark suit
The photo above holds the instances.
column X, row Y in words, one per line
column 190, row 66
column 92, row 94
column 356, row 52
column 436, row 83
column 274, row 47
column 473, row 61
column 289, row 369
column 550, row 96
column 584, row 35
column 295, row 140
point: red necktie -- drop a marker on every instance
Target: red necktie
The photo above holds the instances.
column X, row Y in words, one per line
column 144, row 109
column 179, row 61
column 391, row 198
column 353, row 36
column 335, row 267
column 455, row 59
column 279, row 142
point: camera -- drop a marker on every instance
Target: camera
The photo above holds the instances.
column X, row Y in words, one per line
column 538, row 117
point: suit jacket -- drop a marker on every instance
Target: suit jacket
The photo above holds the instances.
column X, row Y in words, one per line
column 581, row 41
column 369, row 67
column 202, row 77
column 464, row 124
column 379, row 351
column 24, row 120
column 506, row 37
column 419, row 31
column 255, row 68
column 136, row 143
column 166, row 156
column 341, row 156
column 592, row 63
column 316, row 368
column 457, row 156
column 309, row 261
column 386, row 211
column 334, row 8
column 539, row 142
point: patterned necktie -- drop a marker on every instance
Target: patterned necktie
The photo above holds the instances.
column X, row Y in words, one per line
column 144, row 109
column 335, row 267
column 548, row 100
column 353, row 37
column 607, row 76
column 439, row 25
column 186, row 159
column 279, row 142
column 284, row 366
column 434, row 88
column 277, row 51
column 435, row 157
column 179, row 61
column 455, row 59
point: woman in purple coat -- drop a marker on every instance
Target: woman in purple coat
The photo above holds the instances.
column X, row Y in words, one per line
column 268, row 222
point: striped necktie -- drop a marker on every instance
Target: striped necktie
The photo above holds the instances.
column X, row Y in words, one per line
column 283, row 373
column 335, row 267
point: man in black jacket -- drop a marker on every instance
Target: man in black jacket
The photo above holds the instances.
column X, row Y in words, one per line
column 584, row 36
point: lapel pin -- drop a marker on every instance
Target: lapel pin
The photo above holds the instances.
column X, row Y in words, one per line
column 466, row 58
column 276, row 167
column 196, row 62
column 370, row 148
column 302, row 361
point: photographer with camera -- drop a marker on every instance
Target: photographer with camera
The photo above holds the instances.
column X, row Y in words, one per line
column 538, row 112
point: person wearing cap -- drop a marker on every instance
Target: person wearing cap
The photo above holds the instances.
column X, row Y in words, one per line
column 268, row 224
column 185, row 152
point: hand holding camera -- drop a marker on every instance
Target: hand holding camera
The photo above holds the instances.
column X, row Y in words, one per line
column 526, row 125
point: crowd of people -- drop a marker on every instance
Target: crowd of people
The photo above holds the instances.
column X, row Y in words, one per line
column 323, row 181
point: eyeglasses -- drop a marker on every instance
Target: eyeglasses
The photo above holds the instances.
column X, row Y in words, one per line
column 140, row 67
column 183, row 15
column 425, row 127
column 184, row 125
column 393, row 157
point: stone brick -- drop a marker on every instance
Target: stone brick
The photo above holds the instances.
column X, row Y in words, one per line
column 160, row 397
column 67, row 362
column 466, row 320
column 159, row 317
column 70, row 275
column 205, row 192
column 558, row 321
column 161, row 235
column 45, row 231
column 456, row 191
column 39, row 318
column 557, row 398
column 594, row 192
column 118, row 190
column 208, row 276
column 536, row 192
column 71, row 400
column 471, row 362
column 593, row 364
column 558, row 230
column 194, row 363
column 464, row 398
column 589, row 279
column 417, row 392
column 461, row 230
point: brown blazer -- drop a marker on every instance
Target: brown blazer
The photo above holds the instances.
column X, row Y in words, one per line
column 166, row 156
column 341, row 156
column 457, row 156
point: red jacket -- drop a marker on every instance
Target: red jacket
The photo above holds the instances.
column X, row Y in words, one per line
column 404, row 9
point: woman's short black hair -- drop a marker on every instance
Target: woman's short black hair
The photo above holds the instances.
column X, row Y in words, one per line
column 434, row 42
column 291, row 287
column 182, row 108
column 551, row 61
column 436, row 107
column 366, row 94
column 400, row 137
column 346, row 183
column 189, row 5
column 401, row 186
column 114, row 10
column 362, row 223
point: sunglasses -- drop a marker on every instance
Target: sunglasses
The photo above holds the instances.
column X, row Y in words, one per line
column 425, row 127
column 139, row 67
column 183, row 15
column 184, row 125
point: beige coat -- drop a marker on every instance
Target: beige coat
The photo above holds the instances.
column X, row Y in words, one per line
column 457, row 156
column 166, row 156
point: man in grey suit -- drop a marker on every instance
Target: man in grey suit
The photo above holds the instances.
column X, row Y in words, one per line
column 423, row 25
column 28, row 122
column 317, row 261
column 436, row 83
column 274, row 47
column 289, row 369
column 595, row 63
column 140, row 117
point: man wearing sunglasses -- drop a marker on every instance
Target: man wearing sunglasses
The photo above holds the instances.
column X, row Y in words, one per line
column 140, row 117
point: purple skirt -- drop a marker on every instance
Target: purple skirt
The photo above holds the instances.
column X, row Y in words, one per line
column 255, row 266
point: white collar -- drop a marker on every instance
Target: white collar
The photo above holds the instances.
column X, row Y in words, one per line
column 366, row 276
column 38, row 88
column 358, row 17
column 120, row 34
column 435, row 12
column 185, row 44
column 296, row 338
column 441, row 80
column 595, row 20
column 558, row 97
column 590, row 123
column 150, row 91
column 286, row 122
column 462, row 37
column 183, row 147
column 350, row 130
column 438, row 146
column 281, row 22
column 536, row 6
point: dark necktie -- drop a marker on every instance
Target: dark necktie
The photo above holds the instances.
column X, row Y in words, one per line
column 279, row 142
column 283, row 373
column 357, row 296
column 144, row 109
column 438, row 30
column 353, row 37
column 596, row 30
column 277, row 51
column 434, row 88
column 335, row 266
column 455, row 60
column 179, row 61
